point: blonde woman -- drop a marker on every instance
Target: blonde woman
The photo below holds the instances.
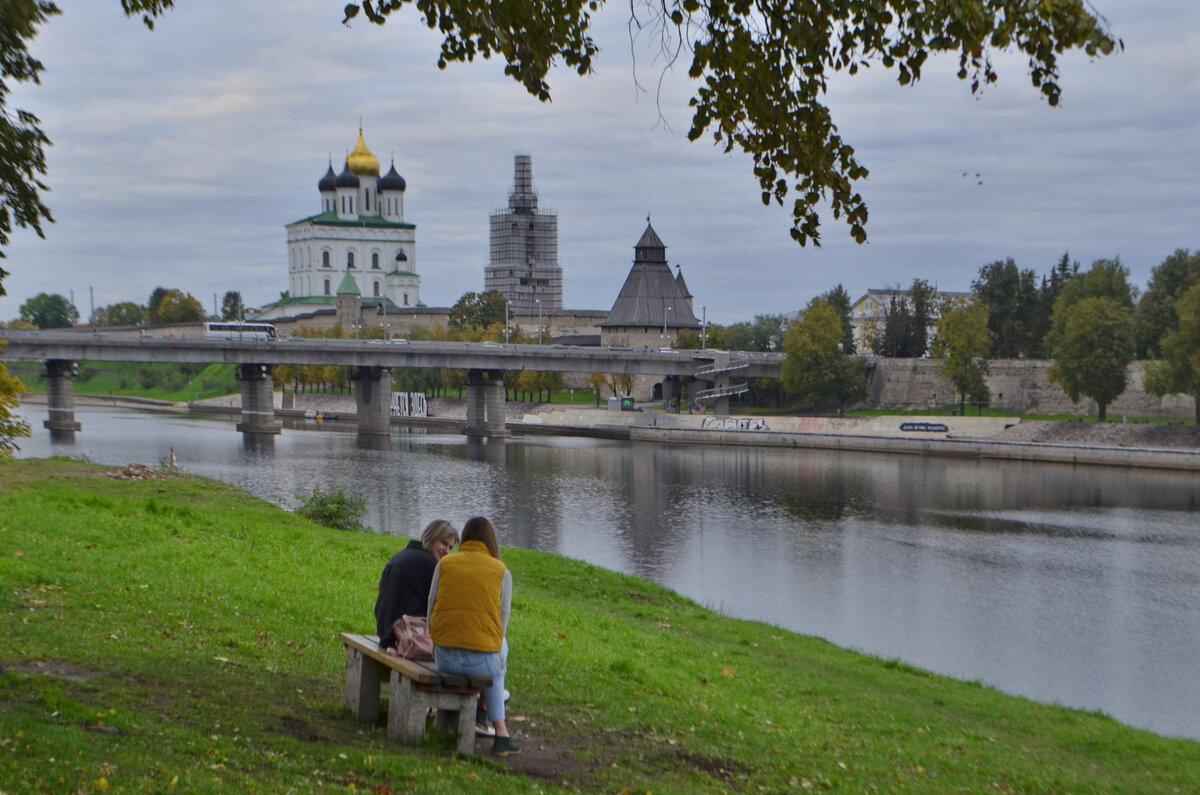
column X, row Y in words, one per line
column 404, row 585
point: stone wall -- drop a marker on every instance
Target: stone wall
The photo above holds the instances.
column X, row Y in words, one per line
column 1017, row 385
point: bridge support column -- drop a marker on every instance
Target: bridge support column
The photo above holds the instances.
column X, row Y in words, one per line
column 485, row 404
column 672, row 390
column 60, row 400
column 258, row 405
column 373, row 397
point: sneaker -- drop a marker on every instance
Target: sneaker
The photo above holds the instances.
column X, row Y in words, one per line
column 483, row 728
column 504, row 746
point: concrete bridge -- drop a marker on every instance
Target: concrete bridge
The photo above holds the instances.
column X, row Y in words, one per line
column 372, row 362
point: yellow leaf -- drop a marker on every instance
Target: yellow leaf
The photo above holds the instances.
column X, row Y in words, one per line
column 728, row 673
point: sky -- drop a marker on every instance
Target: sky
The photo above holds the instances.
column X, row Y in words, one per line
column 179, row 156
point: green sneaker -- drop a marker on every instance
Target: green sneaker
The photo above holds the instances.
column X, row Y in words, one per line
column 483, row 727
column 504, row 746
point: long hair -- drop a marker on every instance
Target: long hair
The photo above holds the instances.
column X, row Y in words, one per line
column 436, row 531
column 480, row 529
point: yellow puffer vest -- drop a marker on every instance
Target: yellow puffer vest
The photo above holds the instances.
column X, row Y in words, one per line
column 466, row 614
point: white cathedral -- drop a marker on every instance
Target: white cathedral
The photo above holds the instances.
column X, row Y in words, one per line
column 358, row 243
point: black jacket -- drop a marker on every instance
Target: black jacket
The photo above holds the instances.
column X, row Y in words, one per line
column 403, row 588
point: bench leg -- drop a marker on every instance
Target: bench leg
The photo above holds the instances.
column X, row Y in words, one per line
column 406, row 712
column 466, row 725
column 362, row 686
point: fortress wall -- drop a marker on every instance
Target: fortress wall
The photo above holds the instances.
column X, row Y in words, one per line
column 1017, row 385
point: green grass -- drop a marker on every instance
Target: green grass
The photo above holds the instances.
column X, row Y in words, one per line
column 171, row 382
column 178, row 635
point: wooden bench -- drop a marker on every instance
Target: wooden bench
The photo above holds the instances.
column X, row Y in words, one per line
column 414, row 688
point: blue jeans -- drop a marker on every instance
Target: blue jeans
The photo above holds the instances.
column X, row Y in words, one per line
column 468, row 662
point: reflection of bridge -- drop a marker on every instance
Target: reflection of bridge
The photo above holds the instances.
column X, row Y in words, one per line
column 372, row 362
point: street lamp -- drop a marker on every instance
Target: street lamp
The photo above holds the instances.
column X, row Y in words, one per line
column 506, row 305
column 664, row 334
column 539, row 303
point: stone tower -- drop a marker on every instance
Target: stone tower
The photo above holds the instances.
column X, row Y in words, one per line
column 523, row 266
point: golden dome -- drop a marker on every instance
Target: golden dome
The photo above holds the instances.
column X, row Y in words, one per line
column 361, row 161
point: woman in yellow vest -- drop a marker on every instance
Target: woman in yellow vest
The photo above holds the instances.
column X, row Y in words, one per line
column 469, row 603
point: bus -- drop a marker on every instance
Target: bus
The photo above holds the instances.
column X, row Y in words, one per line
column 241, row 331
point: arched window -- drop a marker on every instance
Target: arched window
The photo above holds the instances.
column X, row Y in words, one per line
column 376, row 289
column 375, row 260
column 349, row 259
column 326, row 287
column 325, row 259
column 406, row 299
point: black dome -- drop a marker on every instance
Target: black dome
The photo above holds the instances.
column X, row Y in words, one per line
column 329, row 181
column 393, row 181
column 347, row 179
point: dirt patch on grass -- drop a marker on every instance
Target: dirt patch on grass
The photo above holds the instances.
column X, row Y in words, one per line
column 538, row 758
column 51, row 668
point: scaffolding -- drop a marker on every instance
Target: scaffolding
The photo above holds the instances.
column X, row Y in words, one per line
column 523, row 265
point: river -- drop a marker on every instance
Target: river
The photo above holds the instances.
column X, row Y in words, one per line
column 1071, row 585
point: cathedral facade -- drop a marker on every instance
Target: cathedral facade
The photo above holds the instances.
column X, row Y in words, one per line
column 359, row 234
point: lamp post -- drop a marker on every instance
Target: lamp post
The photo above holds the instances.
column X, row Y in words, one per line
column 506, row 304
column 539, row 303
column 664, row 334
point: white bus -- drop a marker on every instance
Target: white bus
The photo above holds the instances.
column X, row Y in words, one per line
column 241, row 331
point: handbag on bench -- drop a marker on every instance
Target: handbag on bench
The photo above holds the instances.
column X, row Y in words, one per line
column 412, row 638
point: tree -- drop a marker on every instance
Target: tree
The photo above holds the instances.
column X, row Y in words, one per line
column 178, row 307
column 232, row 306
column 125, row 313
column 1010, row 300
column 1105, row 279
column 1093, row 350
column 763, row 68
column 762, row 71
column 152, row 305
column 839, row 299
column 49, row 311
column 11, row 428
column 817, row 366
column 906, row 322
column 477, row 310
column 1063, row 272
column 1156, row 313
column 1178, row 372
column 962, row 345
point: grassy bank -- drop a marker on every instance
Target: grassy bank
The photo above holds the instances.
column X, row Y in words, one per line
column 178, row 635
column 173, row 382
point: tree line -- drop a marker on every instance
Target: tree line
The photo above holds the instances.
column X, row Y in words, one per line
column 164, row 306
column 1091, row 324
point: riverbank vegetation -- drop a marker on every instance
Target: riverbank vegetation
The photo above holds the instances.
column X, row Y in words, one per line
column 176, row 634
column 173, row 382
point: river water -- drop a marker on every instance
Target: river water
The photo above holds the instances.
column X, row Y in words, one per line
column 1071, row 585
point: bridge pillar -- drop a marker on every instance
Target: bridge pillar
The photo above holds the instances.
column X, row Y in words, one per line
column 258, row 405
column 672, row 389
column 60, row 400
column 485, row 403
column 373, row 397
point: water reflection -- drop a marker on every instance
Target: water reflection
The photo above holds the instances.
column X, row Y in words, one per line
column 1069, row 584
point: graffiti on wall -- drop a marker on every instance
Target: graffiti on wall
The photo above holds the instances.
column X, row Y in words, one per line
column 733, row 424
column 409, row 404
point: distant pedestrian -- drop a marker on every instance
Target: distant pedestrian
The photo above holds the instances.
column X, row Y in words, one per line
column 404, row 585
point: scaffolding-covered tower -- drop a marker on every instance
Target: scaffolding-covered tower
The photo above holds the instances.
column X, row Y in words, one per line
column 524, row 249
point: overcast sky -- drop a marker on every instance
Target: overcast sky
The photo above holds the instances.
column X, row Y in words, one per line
column 180, row 155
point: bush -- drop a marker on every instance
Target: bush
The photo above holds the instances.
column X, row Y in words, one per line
column 337, row 509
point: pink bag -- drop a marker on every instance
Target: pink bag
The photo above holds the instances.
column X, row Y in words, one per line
column 412, row 638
